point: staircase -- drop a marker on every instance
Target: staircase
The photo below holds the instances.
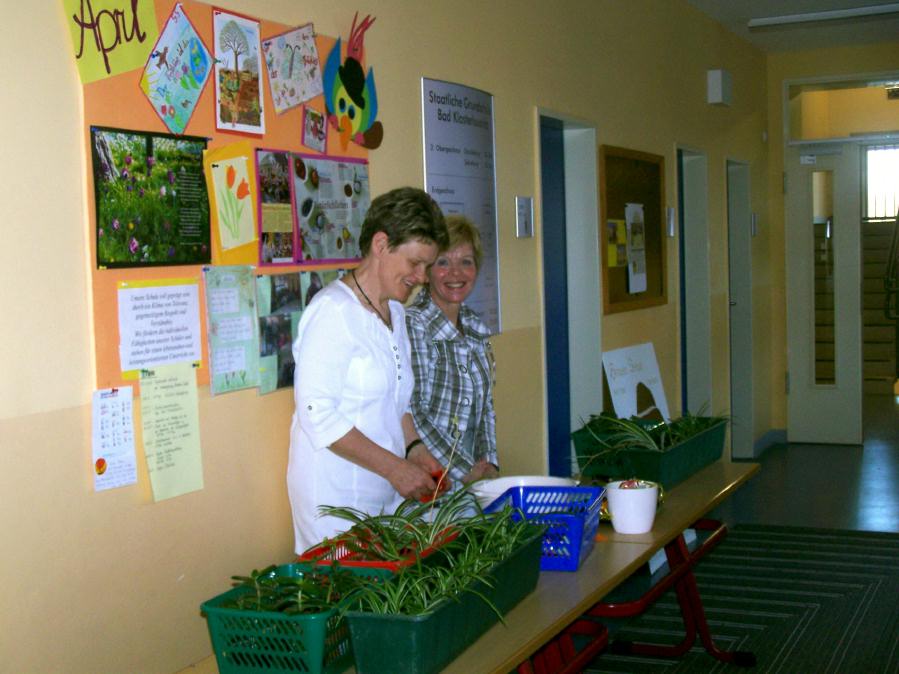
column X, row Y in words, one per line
column 879, row 307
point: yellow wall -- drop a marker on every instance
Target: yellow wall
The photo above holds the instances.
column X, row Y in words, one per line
column 839, row 113
column 111, row 582
column 814, row 115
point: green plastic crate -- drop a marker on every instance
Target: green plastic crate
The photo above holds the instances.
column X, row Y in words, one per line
column 262, row 642
column 667, row 468
column 424, row 644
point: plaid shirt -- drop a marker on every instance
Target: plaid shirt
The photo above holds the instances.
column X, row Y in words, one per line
column 453, row 379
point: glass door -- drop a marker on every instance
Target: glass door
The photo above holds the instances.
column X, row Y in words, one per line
column 823, row 278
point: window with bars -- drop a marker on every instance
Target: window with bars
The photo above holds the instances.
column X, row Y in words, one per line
column 882, row 179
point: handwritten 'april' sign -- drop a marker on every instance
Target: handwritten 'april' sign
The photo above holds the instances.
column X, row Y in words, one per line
column 110, row 36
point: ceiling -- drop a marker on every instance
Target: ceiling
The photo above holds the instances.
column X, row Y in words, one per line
column 735, row 15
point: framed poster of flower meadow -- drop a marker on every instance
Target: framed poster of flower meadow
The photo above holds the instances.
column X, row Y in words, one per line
column 152, row 207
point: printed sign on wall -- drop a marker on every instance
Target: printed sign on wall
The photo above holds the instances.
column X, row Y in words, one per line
column 461, row 177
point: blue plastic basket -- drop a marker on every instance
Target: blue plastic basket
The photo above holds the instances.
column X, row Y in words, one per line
column 571, row 515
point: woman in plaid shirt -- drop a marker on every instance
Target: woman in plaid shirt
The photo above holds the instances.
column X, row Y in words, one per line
column 453, row 363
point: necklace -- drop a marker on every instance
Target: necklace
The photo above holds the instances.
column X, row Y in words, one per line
column 385, row 321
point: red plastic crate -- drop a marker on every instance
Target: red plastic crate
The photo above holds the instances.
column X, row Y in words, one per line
column 325, row 555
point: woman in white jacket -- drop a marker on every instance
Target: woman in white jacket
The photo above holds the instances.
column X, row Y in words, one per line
column 352, row 438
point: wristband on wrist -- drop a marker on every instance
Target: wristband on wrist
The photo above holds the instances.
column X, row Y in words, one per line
column 411, row 445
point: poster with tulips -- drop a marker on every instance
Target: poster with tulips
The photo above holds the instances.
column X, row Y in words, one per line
column 232, row 188
column 231, row 177
column 150, row 196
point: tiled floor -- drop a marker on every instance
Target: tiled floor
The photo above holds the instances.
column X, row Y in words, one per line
column 838, row 486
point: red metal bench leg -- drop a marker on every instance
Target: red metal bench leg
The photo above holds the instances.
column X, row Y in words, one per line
column 680, row 563
column 559, row 656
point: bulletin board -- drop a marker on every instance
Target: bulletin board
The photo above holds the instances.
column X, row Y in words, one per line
column 118, row 102
column 632, row 182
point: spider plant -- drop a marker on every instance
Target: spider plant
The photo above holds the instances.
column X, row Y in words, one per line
column 420, row 590
column 311, row 592
column 689, row 425
column 412, row 528
column 478, row 543
column 612, row 434
column 483, row 542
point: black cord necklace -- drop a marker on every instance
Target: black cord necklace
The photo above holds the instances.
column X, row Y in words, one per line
column 380, row 315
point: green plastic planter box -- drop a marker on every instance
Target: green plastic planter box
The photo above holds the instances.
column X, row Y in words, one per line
column 667, row 468
column 427, row 643
column 263, row 642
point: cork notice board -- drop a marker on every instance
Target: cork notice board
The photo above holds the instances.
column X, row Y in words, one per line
column 631, row 180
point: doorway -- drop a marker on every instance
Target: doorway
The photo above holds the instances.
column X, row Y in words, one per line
column 695, row 322
column 739, row 247
column 823, row 279
column 855, row 104
column 571, row 292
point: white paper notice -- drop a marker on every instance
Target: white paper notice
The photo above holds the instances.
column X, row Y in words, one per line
column 112, row 430
column 224, row 300
column 636, row 248
column 171, row 429
column 229, row 359
column 159, row 324
column 234, row 329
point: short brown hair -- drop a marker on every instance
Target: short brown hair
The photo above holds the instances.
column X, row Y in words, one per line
column 404, row 214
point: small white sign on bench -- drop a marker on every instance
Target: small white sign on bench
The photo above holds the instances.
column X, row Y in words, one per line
column 635, row 382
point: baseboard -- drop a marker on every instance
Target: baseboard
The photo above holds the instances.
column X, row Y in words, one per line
column 776, row 436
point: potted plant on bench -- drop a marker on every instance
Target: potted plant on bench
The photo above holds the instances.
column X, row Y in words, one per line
column 610, row 448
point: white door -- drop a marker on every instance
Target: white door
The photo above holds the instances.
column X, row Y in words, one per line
column 823, row 275
column 739, row 252
column 582, row 241
column 696, row 315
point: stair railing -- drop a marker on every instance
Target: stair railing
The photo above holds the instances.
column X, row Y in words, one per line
column 891, row 286
column 891, row 276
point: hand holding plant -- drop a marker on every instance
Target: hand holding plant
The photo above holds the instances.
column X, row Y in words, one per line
column 481, row 470
column 411, row 479
column 421, row 457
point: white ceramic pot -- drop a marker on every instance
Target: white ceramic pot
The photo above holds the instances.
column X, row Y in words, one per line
column 633, row 510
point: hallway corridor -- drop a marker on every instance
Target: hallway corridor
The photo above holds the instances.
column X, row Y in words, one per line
column 833, row 486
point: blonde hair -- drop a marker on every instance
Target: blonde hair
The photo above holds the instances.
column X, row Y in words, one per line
column 462, row 230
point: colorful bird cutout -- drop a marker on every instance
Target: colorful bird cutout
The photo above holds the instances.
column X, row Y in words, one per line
column 350, row 96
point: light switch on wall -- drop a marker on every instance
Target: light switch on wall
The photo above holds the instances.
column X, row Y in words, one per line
column 524, row 217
